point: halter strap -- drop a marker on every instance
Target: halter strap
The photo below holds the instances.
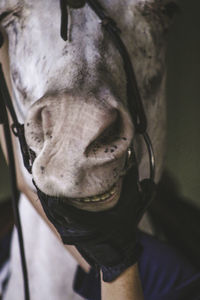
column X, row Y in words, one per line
column 64, row 5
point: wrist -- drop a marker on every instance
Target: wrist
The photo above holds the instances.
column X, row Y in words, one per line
column 126, row 286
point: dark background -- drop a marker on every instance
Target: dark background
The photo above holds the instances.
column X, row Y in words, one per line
column 183, row 98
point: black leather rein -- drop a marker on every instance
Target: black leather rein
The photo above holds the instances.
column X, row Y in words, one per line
column 4, row 101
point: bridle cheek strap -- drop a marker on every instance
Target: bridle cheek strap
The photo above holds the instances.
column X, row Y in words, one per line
column 17, row 128
column 65, row 5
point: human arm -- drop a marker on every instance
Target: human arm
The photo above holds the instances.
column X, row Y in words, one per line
column 126, row 286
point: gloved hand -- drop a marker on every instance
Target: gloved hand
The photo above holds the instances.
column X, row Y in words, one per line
column 107, row 239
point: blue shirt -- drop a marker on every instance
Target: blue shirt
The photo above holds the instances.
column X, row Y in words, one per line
column 165, row 274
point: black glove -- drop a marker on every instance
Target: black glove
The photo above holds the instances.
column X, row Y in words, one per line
column 107, row 239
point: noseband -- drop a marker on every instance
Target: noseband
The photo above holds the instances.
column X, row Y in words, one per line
column 134, row 103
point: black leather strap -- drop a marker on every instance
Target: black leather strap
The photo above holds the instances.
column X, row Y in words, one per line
column 13, row 181
column 17, row 128
column 1, row 39
column 64, row 14
column 76, row 3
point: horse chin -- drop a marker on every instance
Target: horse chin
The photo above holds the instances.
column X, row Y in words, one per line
column 100, row 202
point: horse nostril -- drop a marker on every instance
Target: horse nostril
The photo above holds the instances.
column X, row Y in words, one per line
column 46, row 122
column 108, row 138
column 111, row 133
column 37, row 129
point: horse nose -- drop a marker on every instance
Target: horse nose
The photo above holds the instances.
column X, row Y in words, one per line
column 93, row 127
column 73, row 134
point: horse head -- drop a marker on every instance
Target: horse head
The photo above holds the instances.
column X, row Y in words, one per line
column 72, row 94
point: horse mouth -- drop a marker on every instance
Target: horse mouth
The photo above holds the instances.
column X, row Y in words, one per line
column 102, row 201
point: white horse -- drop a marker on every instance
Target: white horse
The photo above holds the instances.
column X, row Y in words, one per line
column 71, row 95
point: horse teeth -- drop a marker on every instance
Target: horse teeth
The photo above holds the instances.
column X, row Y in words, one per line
column 112, row 192
column 95, row 199
column 86, row 200
column 98, row 198
column 104, row 196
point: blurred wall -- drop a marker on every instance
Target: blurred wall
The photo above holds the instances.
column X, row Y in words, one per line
column 183, row 94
